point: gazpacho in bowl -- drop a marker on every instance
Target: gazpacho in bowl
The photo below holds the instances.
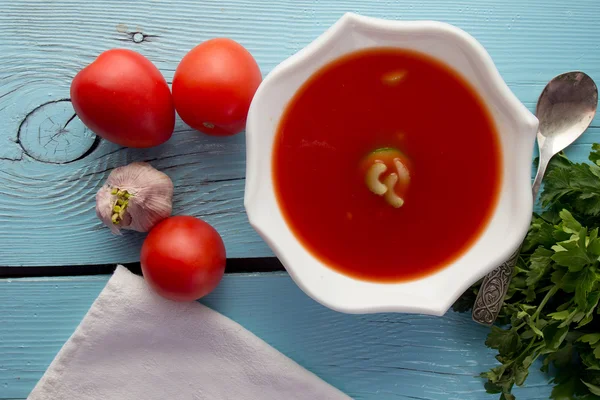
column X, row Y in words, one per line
column 388, row 165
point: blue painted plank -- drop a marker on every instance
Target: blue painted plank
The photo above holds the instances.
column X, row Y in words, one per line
column 43, row 44
column 380, row 356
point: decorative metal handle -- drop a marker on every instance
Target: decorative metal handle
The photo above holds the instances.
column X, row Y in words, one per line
column 492, row 291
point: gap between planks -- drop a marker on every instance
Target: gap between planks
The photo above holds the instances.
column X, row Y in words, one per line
column 234, row 266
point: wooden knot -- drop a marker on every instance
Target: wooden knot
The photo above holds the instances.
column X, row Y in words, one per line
column 52, row 133
column 135, row 36
column 139, row 37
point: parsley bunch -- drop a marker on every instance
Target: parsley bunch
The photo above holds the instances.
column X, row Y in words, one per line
column 551, row 309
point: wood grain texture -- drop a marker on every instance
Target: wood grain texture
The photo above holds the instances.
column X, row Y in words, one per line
column 380, row 356
column 47, row 183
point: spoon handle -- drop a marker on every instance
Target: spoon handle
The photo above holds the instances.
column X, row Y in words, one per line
column 543, row 161
column 495, row 284
column 492, row 291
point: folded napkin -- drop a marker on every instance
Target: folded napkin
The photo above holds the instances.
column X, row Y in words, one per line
column 133, row 344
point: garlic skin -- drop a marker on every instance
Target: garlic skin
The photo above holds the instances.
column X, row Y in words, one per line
column 136, row 197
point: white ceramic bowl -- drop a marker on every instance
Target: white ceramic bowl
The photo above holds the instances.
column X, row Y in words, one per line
column 433, row 294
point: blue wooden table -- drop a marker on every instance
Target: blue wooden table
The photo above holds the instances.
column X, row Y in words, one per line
column 51, row 166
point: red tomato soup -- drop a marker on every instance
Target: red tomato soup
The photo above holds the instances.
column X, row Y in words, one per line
column 387, row 165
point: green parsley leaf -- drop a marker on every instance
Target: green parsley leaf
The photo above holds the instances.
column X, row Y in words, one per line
column 574, row 184
column 590, row 338
column 569, row 282
column 596, row 352
column 592, row 302
column 492, row 388
column 560, row 315
column 540, row 264
column 541, row 233
column 564, row 390
column 554, row 336
column 595, row 154
column 520, row 375
column 590, row 361
column 593, row 388
column 586, row 281
column 586, row 320
column 572, row 254
column 506, row 342
column 569, row 224
column 593, row 246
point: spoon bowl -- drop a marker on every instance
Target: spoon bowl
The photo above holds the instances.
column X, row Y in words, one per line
column 565, row 109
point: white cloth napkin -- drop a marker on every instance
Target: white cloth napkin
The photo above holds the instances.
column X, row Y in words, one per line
column 133, row 344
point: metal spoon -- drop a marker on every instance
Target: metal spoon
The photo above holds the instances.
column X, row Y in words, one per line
column 565, row 109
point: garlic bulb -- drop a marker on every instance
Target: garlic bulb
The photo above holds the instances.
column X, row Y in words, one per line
column 135, row 197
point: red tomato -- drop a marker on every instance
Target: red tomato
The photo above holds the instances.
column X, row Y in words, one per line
column 123, row 98
column 183, row 258
column 213, row 86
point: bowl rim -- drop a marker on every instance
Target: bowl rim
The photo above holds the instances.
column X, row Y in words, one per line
column 523, row 119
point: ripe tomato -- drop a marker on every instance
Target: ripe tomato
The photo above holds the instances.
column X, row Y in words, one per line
column 183, row 258
column 123, row 97
column 213, row 86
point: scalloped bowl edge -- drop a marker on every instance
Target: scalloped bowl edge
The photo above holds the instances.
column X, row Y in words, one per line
column 517, row 127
